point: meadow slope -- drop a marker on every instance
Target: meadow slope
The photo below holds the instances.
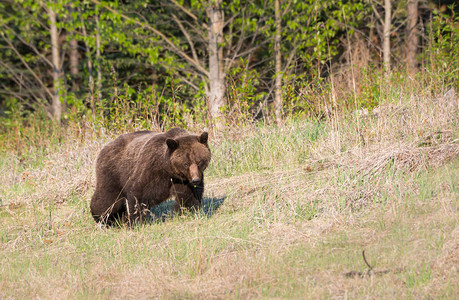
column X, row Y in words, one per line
column 288, row 212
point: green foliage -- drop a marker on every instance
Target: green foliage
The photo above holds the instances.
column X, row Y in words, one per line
column 22, row 130
column 304, row 98
column 243, row 93
column 370, row 88
column 157, row 88
column 443, row 52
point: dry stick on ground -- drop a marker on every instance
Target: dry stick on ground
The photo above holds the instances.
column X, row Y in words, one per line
column 366, row 262
column 352, row 274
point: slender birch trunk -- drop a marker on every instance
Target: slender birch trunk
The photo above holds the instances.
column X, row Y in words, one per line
column 98, row 70
column 56, row 101
column 216, row 92
column 386, row 43
column 90, row 77
column 278, row 59
column 74, row 60
column 412, row 37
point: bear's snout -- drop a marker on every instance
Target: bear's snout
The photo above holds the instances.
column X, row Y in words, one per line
column 195, row 174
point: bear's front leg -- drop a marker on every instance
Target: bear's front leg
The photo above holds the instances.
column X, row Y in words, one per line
column 187, row 196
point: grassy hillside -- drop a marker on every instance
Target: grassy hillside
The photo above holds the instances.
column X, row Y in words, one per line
column 288, row 212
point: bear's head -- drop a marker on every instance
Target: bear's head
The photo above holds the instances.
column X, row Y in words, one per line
column 189, row 156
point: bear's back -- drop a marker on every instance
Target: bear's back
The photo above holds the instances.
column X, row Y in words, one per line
column 130, row 149
column 142, row 142
column 124, row 147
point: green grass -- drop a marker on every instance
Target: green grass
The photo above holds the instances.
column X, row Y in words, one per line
column 262, row 250
column 243, row 151
column 292, row 210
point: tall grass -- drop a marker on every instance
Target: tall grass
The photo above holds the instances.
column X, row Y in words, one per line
column 296, row 205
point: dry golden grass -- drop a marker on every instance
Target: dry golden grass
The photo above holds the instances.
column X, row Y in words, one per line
column 298, row 210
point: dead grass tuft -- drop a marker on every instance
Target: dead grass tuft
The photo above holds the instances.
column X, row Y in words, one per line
column 408, row 158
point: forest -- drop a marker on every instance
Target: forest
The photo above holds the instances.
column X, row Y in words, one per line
column 217, row 63
column 333, row 133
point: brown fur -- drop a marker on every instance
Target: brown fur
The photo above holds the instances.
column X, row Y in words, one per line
column 141, row 169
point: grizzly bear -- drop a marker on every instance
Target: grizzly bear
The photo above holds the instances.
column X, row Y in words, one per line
column 141, row 169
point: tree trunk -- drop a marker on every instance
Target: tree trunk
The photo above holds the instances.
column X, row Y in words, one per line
column 216, row 92
column 74, row 59
column 412, row 37
column 56, row 101
column 386, row 44
column 278, row 58
column 99, row 73
column 90, row 77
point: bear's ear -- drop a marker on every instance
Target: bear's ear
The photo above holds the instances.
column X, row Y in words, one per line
column 172, row 144
column 203, row 137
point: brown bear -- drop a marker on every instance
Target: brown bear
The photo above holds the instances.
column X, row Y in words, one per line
column 141, row 169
